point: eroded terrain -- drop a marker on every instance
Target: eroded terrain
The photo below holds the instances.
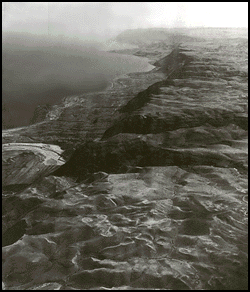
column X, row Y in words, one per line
column 153, row 193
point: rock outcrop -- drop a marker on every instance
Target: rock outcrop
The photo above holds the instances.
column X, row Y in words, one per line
column 23, row 163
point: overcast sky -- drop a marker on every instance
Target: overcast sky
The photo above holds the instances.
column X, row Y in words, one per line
column 103, row 19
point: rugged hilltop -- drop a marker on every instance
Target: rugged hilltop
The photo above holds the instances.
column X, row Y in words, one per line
column 153, row 193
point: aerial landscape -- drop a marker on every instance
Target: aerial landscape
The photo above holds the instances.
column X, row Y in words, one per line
column 124, row 146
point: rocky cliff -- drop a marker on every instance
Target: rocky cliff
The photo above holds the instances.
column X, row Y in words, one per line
column 153, row 193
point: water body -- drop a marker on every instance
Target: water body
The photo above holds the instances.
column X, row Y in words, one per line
column 38, row 74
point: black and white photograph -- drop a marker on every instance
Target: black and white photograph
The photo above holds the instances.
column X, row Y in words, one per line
column 124, row 145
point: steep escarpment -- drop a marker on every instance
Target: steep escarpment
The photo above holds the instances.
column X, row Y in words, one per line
column 124, row 152
column 155, row 195
column 182, row 113
column 194, row 94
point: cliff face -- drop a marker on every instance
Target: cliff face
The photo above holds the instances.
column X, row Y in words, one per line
column 155, row 194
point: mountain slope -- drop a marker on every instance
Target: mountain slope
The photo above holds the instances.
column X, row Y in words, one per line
column 155, row 194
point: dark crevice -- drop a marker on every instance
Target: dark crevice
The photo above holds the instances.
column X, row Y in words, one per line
column 120, row 156
column 14, row 233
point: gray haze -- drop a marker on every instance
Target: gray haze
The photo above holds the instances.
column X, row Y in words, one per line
column 100, row 20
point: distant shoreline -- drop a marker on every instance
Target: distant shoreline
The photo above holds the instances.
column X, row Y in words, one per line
column 58, row 100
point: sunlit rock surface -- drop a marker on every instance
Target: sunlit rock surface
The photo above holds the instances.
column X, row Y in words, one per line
column 155, row 196
column 22, row 163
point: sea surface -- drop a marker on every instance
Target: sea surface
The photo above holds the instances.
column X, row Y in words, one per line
column 42, row 74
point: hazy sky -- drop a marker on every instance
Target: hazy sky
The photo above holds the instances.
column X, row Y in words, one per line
column 103, row 19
